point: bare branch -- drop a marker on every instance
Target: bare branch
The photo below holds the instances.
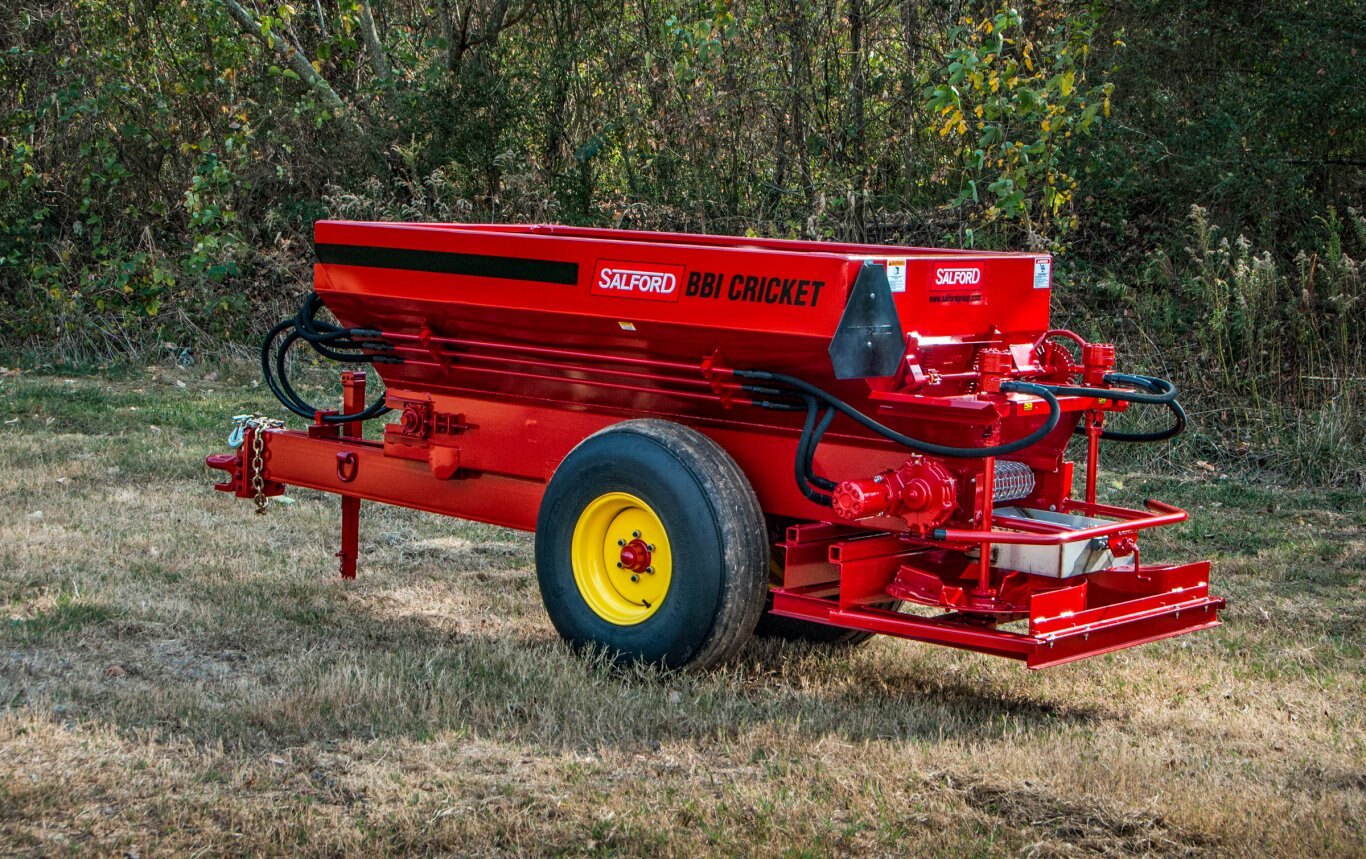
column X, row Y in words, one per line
column 499, row 19
column 492, row 20
column 378, row 59
column 291, row 54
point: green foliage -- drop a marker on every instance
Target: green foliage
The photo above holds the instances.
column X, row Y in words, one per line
column 161, row 163
column 1256, row 112
column 147, row 139
column 1272, row 350
column 1015, row 109
column 698, row 44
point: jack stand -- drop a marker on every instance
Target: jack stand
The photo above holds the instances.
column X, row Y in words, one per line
column 350, row 536
column 353, row 401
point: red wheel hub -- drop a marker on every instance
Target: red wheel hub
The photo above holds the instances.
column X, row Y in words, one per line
column 635, row 556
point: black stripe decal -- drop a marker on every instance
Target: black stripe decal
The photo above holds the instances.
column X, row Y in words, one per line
column 444, row 262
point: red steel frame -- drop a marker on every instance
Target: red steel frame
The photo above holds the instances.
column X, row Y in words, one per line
column 503, row 374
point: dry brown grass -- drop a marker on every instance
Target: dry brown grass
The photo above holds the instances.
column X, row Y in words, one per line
column 182, row 677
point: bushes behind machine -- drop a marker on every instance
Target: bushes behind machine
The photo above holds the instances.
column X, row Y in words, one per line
column 160, row 169
column 1270, row 352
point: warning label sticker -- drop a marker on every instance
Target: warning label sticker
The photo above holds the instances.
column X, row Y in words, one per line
column 896, row 274
column 1043, row 273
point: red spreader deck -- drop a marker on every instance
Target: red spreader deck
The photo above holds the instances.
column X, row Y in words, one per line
column 711, row 432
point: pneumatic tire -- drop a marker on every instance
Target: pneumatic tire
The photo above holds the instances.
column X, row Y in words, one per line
column 651, row 544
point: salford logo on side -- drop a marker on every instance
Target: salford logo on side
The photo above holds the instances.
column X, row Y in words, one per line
column 652, row 281
column 957, row 276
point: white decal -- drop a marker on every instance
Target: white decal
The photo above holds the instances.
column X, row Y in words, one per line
column 626, row 280
column 896, row 274
column 957, row 276
column 1043, row 272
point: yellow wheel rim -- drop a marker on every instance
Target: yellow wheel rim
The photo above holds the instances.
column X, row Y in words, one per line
column 622, row 559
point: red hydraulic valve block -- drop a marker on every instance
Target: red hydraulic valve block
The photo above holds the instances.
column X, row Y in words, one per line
column 922, row 492
column 1097, row 359
column 994, row 366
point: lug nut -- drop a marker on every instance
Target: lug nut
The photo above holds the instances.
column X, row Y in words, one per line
column 635, row 533
column 620, row 565
column 635, row 578
column 621, row 542
column 649, row 547
column 649, row 569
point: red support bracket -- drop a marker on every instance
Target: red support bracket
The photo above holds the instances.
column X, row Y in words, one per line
column 1110, row 612
column 348, row 465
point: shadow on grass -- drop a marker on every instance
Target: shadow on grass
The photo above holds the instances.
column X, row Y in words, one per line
column 314, row 663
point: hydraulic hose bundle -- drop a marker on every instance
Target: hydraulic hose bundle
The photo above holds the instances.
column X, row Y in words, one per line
column 350, row 345
column 1160, row 393
column 813, row 431
column 817, row 489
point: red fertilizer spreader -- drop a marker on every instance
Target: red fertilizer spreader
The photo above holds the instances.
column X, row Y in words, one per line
column 713, row 433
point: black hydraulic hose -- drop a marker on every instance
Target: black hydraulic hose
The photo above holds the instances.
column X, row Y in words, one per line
column 1178, row 426
column 800, row 468
column 808, row 464
column 1160, row 391
column 283, row 390
column 277, row 379
column 318, row 333
column 812, row 485
column 354, row 345
column 302, row 407
column 269, row 356
column 833, row 402
column 819, row 489
column 1164, row 390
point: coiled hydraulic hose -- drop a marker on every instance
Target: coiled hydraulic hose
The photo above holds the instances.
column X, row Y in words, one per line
column 1160, row 392
column 817, row 488
column 352, row 345
column 806, row 389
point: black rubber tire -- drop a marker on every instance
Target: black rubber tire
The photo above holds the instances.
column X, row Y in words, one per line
column 716, row 531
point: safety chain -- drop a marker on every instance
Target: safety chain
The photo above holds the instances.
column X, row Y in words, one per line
column 257, row 424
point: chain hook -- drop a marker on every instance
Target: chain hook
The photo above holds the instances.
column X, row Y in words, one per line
column 257, row 424
column 238, row 430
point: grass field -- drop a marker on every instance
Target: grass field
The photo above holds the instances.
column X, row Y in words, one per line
column 179, row 677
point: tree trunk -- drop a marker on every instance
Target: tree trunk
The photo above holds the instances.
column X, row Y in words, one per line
column 379, row 61
column 292, row 55
column 798, row 121
column 857, row 224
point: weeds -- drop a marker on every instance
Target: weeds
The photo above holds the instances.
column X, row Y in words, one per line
column 180, row 676
column 1271, row 357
